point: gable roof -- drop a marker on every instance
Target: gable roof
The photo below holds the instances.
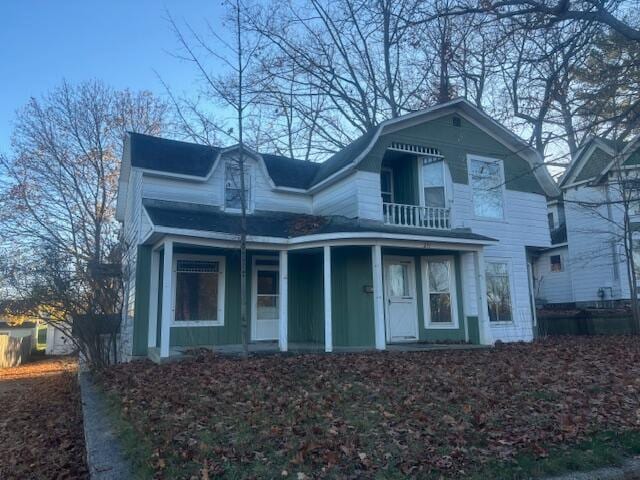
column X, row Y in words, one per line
column 596, row 157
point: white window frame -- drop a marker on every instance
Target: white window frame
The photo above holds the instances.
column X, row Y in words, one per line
column 479, row 158
column 421, row 186
column 512, row 292
column 390, row 170
column 426, row 291
column 248, row 171
column 221, row 291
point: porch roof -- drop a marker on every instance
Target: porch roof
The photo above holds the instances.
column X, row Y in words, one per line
column 188, row 216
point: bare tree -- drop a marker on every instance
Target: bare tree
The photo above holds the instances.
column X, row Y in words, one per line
column 237, row 89
column 57, row 201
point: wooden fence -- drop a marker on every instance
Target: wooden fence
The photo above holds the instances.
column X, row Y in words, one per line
column 14, row 351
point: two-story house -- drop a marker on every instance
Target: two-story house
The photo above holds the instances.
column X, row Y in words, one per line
column 587, row 264
column 421, row 230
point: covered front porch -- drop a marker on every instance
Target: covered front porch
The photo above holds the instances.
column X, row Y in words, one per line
column 318, row 295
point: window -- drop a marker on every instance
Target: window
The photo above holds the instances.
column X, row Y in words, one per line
column 440, row 282
column 552, row 224
column 556, row 263
column 499, row 292
column 267, row 293
column 399, row 280
column 386, row 185
column 433, row 181
column 232, row 187
column 198, row 291
column 485, row 177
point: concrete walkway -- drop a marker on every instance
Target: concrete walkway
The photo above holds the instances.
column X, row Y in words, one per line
column 629, row 470
column 105, row 458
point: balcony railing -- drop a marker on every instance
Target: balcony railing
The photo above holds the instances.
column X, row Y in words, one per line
column 416, row 216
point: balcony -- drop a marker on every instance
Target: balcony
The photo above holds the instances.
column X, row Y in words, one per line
column 416, row 216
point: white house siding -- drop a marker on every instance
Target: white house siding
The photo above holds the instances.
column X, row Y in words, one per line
column 132, row 233
column 525, row 225
column 341, row 198
column 591, row 244
column 553, row 287
column 369, row 195
column 211, row 191
column 469, row 295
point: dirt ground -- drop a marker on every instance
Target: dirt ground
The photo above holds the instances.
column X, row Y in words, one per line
column 41, row 434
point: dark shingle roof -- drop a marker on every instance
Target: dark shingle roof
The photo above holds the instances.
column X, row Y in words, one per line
column 344, row 157
column 289, row 172
column 173, row 156
column 278, row 224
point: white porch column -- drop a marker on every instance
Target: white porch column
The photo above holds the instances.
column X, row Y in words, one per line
column 167, row 298
column 378, row 297
column 484, row 329
column 283, row 295
column 153, row 299
column 328, row 332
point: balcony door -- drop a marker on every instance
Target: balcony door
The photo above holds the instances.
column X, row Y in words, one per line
column 401, row 307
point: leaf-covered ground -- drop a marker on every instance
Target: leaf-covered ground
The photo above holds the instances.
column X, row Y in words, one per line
column 41, row 434
column 381, row 415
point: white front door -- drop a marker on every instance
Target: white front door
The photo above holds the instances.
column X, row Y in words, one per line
column 401, row 306
column 265, row 311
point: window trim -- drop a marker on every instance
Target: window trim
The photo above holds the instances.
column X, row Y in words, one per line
column 221, row 291
column 249, row 175
column 509, row 264
column 391, row 192
column 426, row 291
column 480, row 158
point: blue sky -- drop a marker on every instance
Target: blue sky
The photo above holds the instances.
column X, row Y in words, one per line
column 120, row 42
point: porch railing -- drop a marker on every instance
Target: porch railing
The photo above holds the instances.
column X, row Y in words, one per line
column 416, row 216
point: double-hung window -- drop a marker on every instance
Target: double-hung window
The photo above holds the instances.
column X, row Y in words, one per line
column 433, row 182
column 199, row 291
column 499, row 292
column 441, row 295
column 485, row 177
column 233, row 186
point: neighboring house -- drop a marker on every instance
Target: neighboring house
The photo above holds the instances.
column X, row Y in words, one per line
column 58, row 342
column 420, row 230
column 21, row 330
column 586, row 265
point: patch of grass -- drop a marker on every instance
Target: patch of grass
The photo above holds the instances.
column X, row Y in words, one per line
column 603, row 449
column 137, row 448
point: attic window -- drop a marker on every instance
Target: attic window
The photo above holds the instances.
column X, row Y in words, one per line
column 232, row 186
column 457, row 122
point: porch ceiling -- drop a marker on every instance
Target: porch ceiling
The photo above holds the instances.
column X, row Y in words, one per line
column 284, row 225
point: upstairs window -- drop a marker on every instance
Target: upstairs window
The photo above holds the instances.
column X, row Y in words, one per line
column 386, row 185
column 232, row 186
column 485, row 178
column 433, row 181
column 556, row 263
column 552, row 224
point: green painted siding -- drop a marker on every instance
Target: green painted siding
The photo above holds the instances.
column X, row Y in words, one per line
column 352, row 312
column 306, row 300
column 141, row 307
column 474, row 330
column 633, row 159
column 455, row 143
column 405, row 177
column 594, row 166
